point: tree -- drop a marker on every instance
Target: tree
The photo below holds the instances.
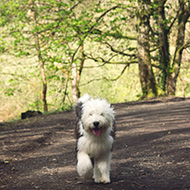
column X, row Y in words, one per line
column 59, row 34
column 146, row 74
column 37, row 33
column 37, row 45
column 170, row 65
column 163, row 42
column 24, row 28
column 86, row 26
column 174, row 69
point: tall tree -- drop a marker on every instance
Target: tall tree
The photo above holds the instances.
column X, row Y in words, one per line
column 34, row 13
column 163, row 42
column 168, row 64
column 146, row 74
column 43, row 29
column 77, row 67
column 174, row 69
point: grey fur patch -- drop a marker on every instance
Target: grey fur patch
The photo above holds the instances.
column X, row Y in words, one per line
column 78, row 109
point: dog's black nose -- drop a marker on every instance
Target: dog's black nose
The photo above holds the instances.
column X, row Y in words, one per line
column 96, row 123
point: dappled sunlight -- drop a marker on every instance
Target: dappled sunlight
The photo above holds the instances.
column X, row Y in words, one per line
column 151, row 149
column 50, row 171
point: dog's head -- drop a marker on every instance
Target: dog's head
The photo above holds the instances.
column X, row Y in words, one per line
column 97, row 116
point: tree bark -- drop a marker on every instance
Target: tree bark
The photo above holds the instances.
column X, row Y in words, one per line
column 164, row 55
column 146, row 74
column 75, row 83
column 40, row 59
column 76, row 73
column 184, row 14
column 44, row 89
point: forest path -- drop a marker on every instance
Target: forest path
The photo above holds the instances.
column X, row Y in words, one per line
column 151, row 150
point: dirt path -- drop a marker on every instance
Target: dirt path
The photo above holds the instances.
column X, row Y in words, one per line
column 151, row 151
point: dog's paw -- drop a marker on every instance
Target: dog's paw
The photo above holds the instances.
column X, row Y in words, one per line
column 102, row 180
column 105, row 181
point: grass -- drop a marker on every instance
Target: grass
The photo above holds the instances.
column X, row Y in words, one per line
column 126, row 88
column 18, row 94
column 20, row 84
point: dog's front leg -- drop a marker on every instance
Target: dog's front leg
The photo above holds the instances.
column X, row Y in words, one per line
column 102, row 169
column 84, row 165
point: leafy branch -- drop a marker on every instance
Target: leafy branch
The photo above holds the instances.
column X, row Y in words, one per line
column 102, row 60
column 16, row 76
column 105, row 78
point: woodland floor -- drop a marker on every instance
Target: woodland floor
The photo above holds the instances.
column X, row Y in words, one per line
column 151, row 150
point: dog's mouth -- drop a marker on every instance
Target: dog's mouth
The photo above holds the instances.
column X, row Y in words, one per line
column 96, row 131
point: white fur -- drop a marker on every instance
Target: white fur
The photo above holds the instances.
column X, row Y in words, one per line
column 91, row 146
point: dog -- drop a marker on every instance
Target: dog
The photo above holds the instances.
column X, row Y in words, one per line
column 95, row 133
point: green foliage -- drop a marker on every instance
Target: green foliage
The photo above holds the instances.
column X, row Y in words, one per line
column 10, row 91
column 99, row 38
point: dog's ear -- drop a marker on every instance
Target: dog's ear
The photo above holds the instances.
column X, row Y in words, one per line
column 78, row 109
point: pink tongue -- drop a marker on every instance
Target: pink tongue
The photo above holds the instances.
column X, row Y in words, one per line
column 96, row 132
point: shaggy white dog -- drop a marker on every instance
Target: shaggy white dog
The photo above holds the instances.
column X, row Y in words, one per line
column 95, row 133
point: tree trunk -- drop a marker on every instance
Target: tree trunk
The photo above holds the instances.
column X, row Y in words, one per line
column 75, row 83
column 76, row 74
column 146, row 74
column 183, row 16
column 164, row 55
column 40, row 59
column 44, row 89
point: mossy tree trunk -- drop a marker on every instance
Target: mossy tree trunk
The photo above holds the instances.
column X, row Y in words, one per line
column 146, row 74
column 174, row 70
column 163, row 44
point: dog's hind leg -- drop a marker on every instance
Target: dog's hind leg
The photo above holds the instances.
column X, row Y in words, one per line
column 84, row 165
column 97, row 174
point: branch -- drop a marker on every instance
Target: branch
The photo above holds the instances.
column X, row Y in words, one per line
column 105, row 78
column 100, row 17
column 172, row 23
column 101, row 60
column 120, row 52
column 73, row 56
column 75, row 5
column 186, row 45
column 156, row 66
column 114, row 35
column 22, row 76
column 120, row 73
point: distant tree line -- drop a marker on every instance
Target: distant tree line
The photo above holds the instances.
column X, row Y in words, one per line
column 58, row 33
